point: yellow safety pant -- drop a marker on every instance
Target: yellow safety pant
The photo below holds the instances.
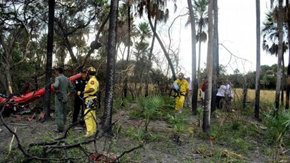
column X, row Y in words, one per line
column 90, row 119
column 179, row 101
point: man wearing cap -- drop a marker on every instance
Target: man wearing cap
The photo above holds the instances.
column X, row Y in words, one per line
column 62, row 86
column 79, row 103
column 182, row 92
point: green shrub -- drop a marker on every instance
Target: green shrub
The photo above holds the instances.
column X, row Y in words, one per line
column 135, row 134
column 159, row 110
column 278, row 125
column 179, row 123
column 150, row 106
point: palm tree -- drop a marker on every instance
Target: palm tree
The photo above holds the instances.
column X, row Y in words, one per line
column 200, row 8
column 129, row 3
column 154, row 10
column 144, row 31
column 193, row 50
column 150, row 58
column 271, row 37
column 142, row 46
column 280, row 52
column 207, row 109
column 215, row 58
column 258, row 39
column 111, row 60
column 48, row 70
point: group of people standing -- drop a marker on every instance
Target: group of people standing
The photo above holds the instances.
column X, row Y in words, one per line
column 85, row 91
column 86, row 88
column 183, row 92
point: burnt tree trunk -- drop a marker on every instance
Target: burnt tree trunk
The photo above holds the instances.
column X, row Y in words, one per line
column 48, row 69
column 111, row 61
column 125, row 89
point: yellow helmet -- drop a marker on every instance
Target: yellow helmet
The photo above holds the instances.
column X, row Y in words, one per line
column 181, row 74
column 92, row 71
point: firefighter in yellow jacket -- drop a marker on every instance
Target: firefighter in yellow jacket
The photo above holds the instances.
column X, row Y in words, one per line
column 181, row 92
column 90, row 96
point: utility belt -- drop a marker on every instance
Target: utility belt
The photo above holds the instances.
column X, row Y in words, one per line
column 90, row 96
column 179, row 94
column 93, row 95
column 91, row 101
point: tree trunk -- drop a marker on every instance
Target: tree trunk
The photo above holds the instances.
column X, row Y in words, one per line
column 129, row 32
column 199, row 54
column 48, row 69
column 125, row 89
column 207, row 109
column 150, row 58
column 280, row 51
column 258, row 56
column 9, row 90
column 288, row 68
column 69, row 48
column 3, row 82
column 62, row 59
column 216, row 57
column 193, row 51
column 283, row 80
column 160, row 42
column 111, row 61
column 217, row 39
column 245, row 92
column 95, row 44
column 139, row 92
column 164, row 51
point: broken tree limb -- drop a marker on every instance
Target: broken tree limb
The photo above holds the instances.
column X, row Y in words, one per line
column 12, row 139
column 128, row 151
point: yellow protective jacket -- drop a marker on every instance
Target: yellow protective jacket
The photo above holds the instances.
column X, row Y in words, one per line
column 183, row 86
column 94, row 84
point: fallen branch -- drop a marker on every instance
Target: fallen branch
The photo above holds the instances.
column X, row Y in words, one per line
column 58, row 144
column 128, row 151
column 11, row 142
column 18, row 124
column 227, row 153
column 12, row 132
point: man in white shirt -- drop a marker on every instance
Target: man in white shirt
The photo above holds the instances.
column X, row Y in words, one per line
column 225, row 92
column 220, row 94
column 229, row 92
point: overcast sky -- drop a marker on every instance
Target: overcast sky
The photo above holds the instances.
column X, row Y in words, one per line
column 237, row 31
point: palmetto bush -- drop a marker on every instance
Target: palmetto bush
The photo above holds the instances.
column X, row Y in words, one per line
column 278, row 124
column 150, row 106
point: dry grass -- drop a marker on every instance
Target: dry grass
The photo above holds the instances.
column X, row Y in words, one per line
column 267, row 96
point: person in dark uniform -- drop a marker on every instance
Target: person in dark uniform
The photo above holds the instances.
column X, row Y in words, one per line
column 79, row 103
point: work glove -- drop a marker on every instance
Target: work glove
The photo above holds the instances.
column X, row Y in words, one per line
column 79, row 93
